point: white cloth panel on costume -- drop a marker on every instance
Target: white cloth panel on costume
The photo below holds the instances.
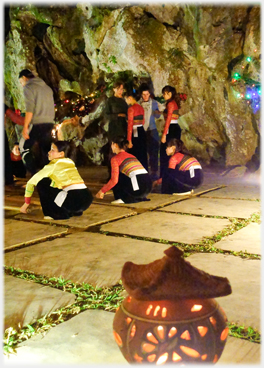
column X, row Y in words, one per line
column 192, row 168
column 61, row 196
column 135, row 131
column 133, row 177
column 174, row 122
column 134, row 183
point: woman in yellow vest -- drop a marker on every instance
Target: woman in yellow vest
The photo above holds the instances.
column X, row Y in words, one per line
column 61, row 189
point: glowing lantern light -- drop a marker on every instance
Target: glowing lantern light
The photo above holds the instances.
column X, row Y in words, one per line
column 172, row 332
column 164, row 331
column 190, row 351
column 156, row 310
column 186, row 335
column 176, row 357
column 162, row 359
column 196, row 308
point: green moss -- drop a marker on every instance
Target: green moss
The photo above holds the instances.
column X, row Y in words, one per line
column 148, row 36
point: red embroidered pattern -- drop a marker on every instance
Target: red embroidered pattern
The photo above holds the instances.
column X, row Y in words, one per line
column 135, row 116
column 170, row 114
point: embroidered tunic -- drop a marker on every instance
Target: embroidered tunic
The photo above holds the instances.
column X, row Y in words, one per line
column 135, row 114
column 183, row 163
column 61, row 171
column 125, row 163
column 170, row 113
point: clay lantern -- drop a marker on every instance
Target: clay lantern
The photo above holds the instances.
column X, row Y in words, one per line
column 170, row 315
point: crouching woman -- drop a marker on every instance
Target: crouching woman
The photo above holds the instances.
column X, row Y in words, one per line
column 61, row 189
column 184, row 172
column 129, row 181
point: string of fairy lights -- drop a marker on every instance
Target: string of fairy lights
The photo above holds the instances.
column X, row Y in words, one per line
column 252, row 88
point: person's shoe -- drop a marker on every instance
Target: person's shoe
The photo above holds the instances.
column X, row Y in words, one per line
column 173, row 278
column 48, row 218
column 118, row 201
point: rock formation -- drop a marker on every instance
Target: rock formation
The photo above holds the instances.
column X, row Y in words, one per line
column 79, row 48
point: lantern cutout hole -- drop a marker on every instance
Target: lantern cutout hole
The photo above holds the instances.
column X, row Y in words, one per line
column 118, row 339
column 156, row 310
column 172, row 332
column 152, row 338
column 132, row 332
column 189, row 351
column 224, row 334
column 215, row 358
column 138, row 358
column 186, row 335
column 176, row 357
column 202, row 330
column 151, row 358
column 149, row 309
column 148, row 348
column 213, row 321
column 162, row 359
column 196, row 308
column 160, row 332
column 164, row 312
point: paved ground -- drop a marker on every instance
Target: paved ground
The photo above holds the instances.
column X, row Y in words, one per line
column 94, row 247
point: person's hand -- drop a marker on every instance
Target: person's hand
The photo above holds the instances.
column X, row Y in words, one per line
column 100, row 195
column 154, row 183
column 130, row 145
column 24, row 208
column 163, row 139
column 25, row 134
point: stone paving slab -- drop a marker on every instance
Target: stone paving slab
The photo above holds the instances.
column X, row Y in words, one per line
column 82, row 340
column 156, row 199
column 87, row 338
column 240, row 351
column 243, row 305
column 236, row 192
column 168, row 226
column 215, row 207
column 95, row 215
column 32, row 301
column 92, row 258
column 18, row 232
column 246, row 239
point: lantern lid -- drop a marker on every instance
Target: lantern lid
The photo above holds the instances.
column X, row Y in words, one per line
column 171, row 278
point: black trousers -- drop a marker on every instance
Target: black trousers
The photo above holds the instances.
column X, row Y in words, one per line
column 175, row 181
column 40, row 133
column 153, row 149
column 124, row 189
column 174, row 132
column 77, row 201
column 8, row 164
column 139, row 149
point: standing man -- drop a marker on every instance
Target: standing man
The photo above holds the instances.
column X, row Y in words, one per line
column 151, row 111
column 40, row 114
